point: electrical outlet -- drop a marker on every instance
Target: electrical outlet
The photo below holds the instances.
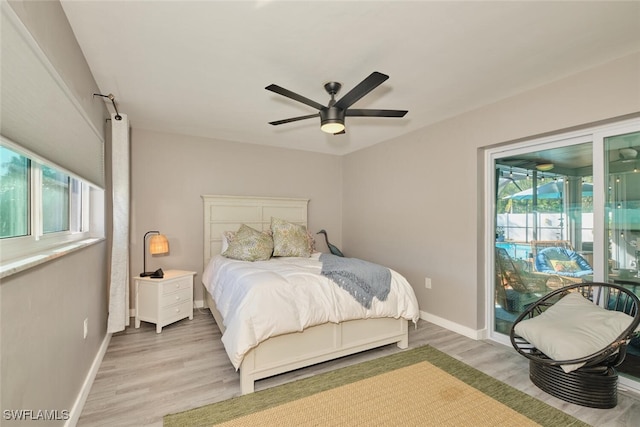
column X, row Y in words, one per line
column 427, row 283
column 86, row 329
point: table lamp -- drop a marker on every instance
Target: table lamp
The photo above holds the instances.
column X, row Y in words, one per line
column 158, row 244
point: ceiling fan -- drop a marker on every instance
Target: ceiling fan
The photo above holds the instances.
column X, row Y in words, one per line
column 332, row 116
column 626, row 155
column 626, row 161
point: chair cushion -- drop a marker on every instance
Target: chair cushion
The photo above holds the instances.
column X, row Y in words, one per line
column 562, row 261
column 573, row 328
column 565, row 266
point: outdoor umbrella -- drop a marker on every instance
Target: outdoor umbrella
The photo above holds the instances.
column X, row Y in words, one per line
column 550, row 190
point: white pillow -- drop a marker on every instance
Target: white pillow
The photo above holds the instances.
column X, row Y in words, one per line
column 227, row 236
column 573, row 327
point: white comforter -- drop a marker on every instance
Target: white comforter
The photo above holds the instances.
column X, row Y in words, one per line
column 262, row 299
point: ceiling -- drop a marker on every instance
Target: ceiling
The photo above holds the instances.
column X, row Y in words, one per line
column 200, row 68
column 577, row 159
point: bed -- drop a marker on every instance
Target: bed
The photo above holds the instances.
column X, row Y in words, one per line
column 313, row 343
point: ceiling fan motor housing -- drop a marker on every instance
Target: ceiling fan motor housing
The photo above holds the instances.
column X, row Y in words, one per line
column 331, row 115
column 332, row 120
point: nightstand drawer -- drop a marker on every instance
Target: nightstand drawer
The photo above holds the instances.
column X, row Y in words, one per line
column 176, row 285
column 176, row 297
column 176, row 311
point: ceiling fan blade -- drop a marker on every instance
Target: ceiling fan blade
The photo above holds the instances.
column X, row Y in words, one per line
column 293, row 119
column 374, row 80
column 286, row 92
column 375, row 113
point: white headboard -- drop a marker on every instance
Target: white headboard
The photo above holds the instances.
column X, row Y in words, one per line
column 227, row 213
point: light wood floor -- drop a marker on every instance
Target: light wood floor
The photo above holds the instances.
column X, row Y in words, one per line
column 145, row 375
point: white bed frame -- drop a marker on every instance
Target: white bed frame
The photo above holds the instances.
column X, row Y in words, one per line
column 316, row 344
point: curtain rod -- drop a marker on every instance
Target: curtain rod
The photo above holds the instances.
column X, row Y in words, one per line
column 113, row 101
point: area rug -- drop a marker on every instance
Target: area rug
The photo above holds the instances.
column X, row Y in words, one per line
column 418, row 387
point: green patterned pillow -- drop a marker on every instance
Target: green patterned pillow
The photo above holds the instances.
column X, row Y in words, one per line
column 249, row 244
column 289, row 239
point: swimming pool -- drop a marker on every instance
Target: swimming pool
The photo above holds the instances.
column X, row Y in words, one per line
column 516, row 250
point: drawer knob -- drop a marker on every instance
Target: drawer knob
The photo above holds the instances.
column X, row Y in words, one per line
column 177, row 298
column 177, row 310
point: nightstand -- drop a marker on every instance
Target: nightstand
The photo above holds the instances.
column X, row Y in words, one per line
column 164, row 301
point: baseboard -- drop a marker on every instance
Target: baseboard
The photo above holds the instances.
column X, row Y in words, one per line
column 76, row 410
column 627, row 384
column 454, row 327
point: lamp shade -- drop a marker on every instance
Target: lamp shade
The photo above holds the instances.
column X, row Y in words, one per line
column 158, row 244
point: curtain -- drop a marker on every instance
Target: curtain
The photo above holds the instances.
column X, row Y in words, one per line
column 119, row 268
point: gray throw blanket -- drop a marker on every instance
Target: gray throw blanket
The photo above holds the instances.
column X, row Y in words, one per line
column 362, row 279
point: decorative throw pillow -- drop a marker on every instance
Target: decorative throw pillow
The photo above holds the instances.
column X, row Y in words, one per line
column 565, row 266
column 289, row 239
column 572, row 328
column 249, row 244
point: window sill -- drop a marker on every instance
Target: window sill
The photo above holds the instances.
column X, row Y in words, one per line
column 20, row 264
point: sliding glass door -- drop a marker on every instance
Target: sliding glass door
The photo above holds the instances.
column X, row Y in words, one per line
column 566, row 209
column 544, row 207
column 622, row 224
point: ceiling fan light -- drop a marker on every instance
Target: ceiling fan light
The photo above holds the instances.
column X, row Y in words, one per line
column 544, row 166
column 332, row 126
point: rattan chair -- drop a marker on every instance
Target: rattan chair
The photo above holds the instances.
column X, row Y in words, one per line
column 538, row 245
column 516, row 289
column 545, row 252
column 594, row 384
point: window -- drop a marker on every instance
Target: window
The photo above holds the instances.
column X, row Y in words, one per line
column 41, row 205
column 55, row 200
column 544, row 198
column 14, row 194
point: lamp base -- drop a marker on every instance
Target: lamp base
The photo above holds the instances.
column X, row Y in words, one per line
column 158, row 274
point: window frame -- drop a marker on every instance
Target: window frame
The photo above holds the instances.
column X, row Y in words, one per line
column 592, row 134
column 36, row 241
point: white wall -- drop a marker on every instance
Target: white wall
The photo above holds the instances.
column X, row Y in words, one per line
column 48, row 25
column 171, row 172
column 416, row 202
column 44, row 359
